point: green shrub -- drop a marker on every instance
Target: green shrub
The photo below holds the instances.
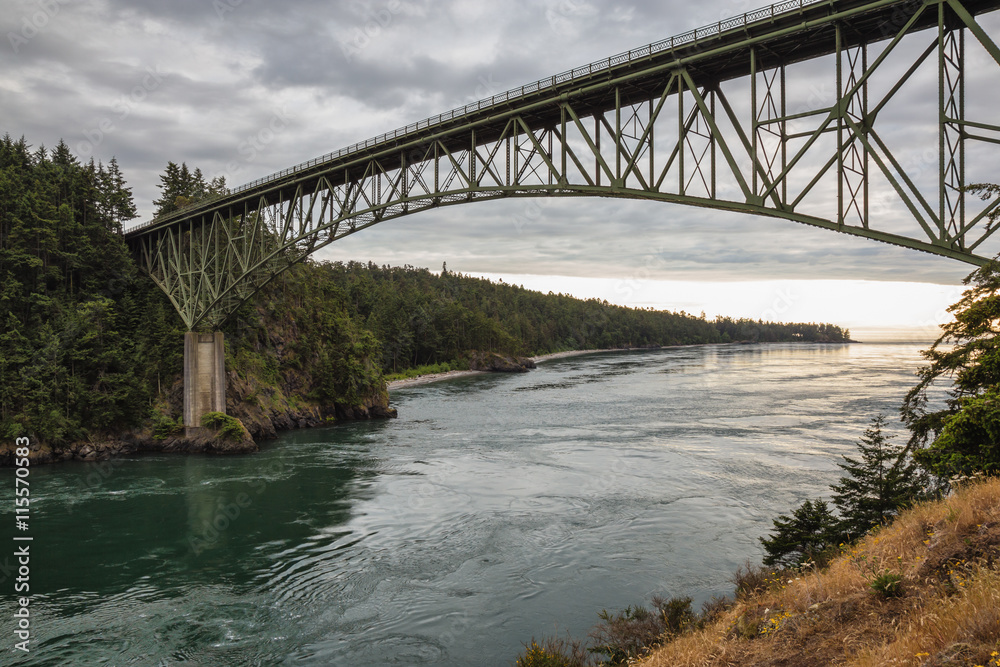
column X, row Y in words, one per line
column 675, row 613
column 887, row 585
column 229, row 428
column 164, row 427
column 552, row 653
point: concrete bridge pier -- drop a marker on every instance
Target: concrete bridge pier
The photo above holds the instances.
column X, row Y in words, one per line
column 204, row 377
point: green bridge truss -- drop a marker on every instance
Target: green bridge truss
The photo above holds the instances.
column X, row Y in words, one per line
column 713, row 118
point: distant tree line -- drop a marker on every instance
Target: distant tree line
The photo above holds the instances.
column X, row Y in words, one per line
column 757, row 331
column 425, row 318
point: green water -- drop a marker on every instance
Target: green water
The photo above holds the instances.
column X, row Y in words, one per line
column 496, row 508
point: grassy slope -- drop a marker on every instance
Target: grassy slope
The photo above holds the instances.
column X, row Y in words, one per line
column 948, row 553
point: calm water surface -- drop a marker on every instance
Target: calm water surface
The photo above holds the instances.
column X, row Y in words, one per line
column 496, row 508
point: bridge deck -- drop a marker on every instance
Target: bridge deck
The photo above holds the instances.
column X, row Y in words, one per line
column 792, row 31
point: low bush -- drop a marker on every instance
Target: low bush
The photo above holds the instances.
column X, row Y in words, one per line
column 229, row 428
column 164, row 427
column 714, row 608
column 632, row 633
column 752, row 580
column 887, row 585
column 553, row 653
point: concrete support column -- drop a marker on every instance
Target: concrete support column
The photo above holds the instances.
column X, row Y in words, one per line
column 204, row 376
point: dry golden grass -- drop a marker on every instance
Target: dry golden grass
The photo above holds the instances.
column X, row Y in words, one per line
column 948, row 555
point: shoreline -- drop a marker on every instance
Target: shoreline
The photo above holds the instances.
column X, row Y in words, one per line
column 427, row 379
column 449, row 375
column 437, row 377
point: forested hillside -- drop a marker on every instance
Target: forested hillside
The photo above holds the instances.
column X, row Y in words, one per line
column 90, row 348
column 73, row 354
column 425, row 318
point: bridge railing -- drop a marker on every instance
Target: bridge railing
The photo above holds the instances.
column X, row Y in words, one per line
column 669, row 44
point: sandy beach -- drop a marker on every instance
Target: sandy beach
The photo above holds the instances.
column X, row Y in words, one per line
column 427, row 379
column 436, row 377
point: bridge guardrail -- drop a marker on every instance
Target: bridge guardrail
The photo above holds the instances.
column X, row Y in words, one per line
column 647, row 51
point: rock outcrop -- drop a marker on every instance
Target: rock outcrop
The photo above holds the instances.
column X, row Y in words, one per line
column 266, row 411
column 499, row 363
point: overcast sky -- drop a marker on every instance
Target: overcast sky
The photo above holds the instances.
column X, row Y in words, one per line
column 194, row 81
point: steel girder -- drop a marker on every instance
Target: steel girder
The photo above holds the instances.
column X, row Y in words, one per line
column 664, row 131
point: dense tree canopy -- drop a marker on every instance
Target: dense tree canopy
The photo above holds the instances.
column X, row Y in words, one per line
column 423, row 318
column 67, row 290
column 961, row 433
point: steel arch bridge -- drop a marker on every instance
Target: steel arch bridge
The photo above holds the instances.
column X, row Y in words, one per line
column 714, row 118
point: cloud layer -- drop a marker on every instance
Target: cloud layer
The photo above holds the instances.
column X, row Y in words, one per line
column 150, row 81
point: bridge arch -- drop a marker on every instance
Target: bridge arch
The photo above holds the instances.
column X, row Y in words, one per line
column 655, row 123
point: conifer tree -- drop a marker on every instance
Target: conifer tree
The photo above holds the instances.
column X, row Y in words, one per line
column 171, row 187
column 181, row 187
column 878, row 484
column 116, row 201
column 802, row 537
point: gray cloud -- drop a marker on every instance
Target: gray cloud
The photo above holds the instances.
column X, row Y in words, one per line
column 345, row 71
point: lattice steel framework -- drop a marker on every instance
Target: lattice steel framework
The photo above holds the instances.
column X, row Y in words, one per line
column 654, row 123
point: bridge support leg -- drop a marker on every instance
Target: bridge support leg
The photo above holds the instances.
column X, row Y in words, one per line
column 204, row 377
